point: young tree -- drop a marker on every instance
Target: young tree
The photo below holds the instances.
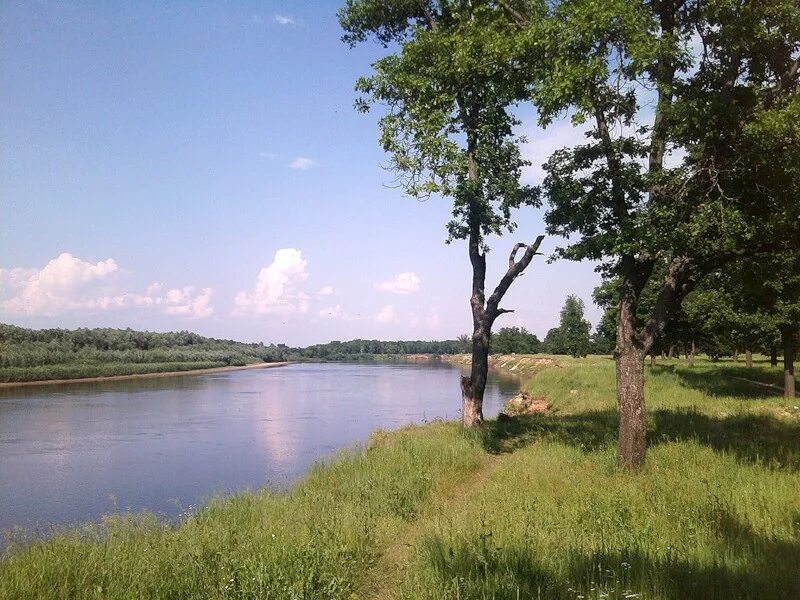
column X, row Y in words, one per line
column 515, row 340
column 449, row 132
column 632, row 72
column 574, row 329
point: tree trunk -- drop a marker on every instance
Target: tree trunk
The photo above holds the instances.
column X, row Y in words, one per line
column 789, row 340
column 652, row 360
column 671, row 353
column 629, row 361
column 748, row 359
column 691, row 355
column 473, row 387
column 773, row 356
column 735, row 356
column 630, row 401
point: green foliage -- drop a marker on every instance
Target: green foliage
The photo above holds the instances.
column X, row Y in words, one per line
column 369, row 349
column 572, row 336
column 447, row 127
column 27, row 354
column 515, row 340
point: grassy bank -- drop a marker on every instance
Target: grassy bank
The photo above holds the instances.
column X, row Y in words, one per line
column 530, row 507
column 83, row 371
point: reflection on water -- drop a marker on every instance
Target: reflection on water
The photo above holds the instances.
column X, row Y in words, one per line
column 73, row 452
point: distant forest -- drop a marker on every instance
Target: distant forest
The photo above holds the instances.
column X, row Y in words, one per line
column 28, row 354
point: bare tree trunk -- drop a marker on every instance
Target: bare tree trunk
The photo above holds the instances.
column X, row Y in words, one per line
column 691, row 355
column 473, row 387
column 748, row 359
column 735, row 356
column 789, row 340
column 671, row 353
column 773, row 356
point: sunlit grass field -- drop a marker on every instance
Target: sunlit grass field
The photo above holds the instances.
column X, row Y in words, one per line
column 531, row 507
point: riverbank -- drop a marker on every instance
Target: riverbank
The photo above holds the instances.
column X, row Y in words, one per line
column 173, row 373
column 528, row 507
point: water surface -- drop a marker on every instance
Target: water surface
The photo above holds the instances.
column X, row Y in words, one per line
column 73, row 452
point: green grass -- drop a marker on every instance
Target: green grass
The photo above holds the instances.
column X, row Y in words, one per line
column 315, row 542
column 715, row 513
column 536, row 509
column 78, row 371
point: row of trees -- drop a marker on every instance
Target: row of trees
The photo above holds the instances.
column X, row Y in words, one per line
column 26, row 348
column 714, row 83
column 572, row 336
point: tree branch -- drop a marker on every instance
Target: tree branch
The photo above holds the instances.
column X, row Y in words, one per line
column 520, row 19
column 515, row 268
column 682, row 276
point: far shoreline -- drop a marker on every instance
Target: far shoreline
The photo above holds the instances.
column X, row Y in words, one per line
column 266, row 365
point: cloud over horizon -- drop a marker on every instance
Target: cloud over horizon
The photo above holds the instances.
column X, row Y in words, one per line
column 404, row 283
column 69, row 284
column 386, row 315
column 276, row 291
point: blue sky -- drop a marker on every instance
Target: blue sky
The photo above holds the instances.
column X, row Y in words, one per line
column 200, row 166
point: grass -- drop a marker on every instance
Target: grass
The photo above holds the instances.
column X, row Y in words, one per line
column 79, row 371
column 531, row 507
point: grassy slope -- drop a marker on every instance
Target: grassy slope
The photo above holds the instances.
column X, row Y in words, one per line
column 80, row 371
column 531, row 508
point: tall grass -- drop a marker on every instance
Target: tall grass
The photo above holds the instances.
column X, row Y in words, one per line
column 315, row 542
column 715, row 513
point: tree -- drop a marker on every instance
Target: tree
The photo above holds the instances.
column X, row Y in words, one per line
column 449, row 133
column 630, row 71
column 574, row 328
column 515, row 340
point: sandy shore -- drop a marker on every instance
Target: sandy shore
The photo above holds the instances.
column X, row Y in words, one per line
column 142, row 375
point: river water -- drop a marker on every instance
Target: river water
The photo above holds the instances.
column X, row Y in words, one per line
column 71, row 453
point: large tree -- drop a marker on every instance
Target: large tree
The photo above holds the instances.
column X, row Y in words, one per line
column 646, row 77
column 447, row 128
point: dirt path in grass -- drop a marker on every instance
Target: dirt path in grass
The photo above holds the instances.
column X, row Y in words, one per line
column 767, row 385
column 387, row 575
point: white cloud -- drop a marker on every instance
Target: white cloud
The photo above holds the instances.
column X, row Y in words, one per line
column 404, row 283
column 386, row 315
column 303, row 163
column 64, row 283
column 325, row 291
column 68, row 284
column 283, row 20
column 184, row 302
column 276, row 287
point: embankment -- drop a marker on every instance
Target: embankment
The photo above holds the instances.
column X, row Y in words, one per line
column 188, row 371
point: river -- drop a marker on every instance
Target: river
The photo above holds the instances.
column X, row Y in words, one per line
column 71, row 453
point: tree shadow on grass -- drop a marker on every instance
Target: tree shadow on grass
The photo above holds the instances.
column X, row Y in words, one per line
column 751, row 438
column 766, row 568
column 723, row 382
